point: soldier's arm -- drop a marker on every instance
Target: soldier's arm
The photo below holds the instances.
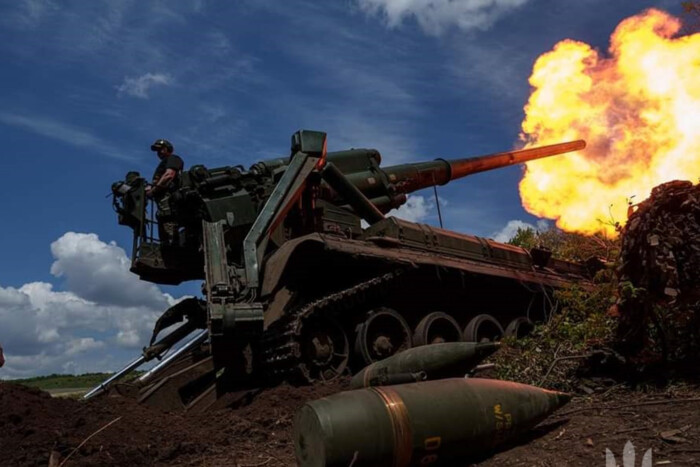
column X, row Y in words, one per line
column 162, row 182
column 167, row 177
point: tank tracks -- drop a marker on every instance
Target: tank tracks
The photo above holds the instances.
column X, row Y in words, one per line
column 282, row 355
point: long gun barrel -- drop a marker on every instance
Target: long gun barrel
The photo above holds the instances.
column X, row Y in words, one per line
column 408, row 178
column 352, row 180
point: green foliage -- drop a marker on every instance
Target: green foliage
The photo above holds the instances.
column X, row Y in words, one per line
column 582, row 324
column 627, row 291
column 525, row 238
column 56, row 381
column 566, row 245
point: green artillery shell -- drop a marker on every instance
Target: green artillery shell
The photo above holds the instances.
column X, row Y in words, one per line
column 446, row 360
column 419, row 423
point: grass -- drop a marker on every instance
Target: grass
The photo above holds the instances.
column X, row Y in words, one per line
column 56, row 381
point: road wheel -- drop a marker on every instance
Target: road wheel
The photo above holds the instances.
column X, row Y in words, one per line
column 383, row 333
column 325, row 349
column 519, row 328
column 483, row 328
column 436, row 328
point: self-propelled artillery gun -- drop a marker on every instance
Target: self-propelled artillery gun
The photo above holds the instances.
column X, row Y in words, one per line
column 306, row 276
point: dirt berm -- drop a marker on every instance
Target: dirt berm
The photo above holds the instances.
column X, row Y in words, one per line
column 33, row 425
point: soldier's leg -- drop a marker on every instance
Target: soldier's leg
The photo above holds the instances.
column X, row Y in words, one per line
column 169, row 233
column 167, row 229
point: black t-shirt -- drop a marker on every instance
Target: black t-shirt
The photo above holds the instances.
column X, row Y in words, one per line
column 173, row 161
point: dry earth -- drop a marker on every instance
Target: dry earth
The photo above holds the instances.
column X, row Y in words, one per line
column 33, row 425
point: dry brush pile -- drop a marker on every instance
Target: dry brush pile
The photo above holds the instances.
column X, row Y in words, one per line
column 659, row 274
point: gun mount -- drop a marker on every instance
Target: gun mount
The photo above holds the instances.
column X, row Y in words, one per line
column 296, row 288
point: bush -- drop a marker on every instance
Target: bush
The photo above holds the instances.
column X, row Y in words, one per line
column 584, row 320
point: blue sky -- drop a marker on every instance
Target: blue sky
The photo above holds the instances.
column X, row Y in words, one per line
column 87, row 86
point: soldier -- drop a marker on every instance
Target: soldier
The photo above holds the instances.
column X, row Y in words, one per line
column 166, row 179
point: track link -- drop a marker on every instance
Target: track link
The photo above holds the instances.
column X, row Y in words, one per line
column 282, row 355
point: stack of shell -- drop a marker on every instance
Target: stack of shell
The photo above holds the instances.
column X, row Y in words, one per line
column 659, row 274
column 388, row 420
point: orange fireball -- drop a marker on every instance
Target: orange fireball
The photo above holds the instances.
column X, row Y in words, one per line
column 638, row 109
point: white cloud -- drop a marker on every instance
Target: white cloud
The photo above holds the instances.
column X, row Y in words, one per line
column 82, row 344
column 105, row 309
column 416, row 209
column 511, row 228
column 123, row 47
column 62, row 132
column 372, row 91
column 30, row 12
column 219, row 44
column 435, row 16
column 491, row 66
column 139, row 87
column 99, row 271
column 129, row 338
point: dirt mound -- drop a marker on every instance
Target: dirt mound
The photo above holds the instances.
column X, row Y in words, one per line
column 30, row 421
column 33, row 424
column 663, row 420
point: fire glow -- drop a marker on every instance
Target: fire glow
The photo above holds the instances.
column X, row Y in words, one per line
column 638, row 110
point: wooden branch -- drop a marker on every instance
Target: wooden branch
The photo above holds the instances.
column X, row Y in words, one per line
column 557, row 360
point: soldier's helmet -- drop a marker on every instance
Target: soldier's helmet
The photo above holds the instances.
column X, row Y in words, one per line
column 162, row 143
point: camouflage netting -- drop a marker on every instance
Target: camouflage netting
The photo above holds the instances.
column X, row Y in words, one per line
column 659, row 276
